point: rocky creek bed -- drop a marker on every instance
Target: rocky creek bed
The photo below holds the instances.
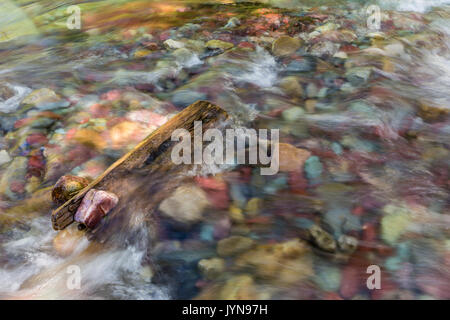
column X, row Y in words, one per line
column 364, row 148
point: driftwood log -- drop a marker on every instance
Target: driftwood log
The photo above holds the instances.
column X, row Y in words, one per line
column 145, row 175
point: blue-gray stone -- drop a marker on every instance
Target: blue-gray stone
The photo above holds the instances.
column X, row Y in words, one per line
column 183, row 98
column 313, row 167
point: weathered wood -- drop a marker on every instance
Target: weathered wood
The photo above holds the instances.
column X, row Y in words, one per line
column 146, row 172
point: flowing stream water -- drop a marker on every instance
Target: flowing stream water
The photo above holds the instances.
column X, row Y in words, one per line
column 370, row 106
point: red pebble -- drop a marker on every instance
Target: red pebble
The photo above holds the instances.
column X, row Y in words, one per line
column 37, row 139
column 22, row 122
column 348, row 48
column 95, row 205
column 246, row 44
column 111, row 95
column 219, row 199
column 369, row 232
column 98, row 110
column 164, row 36
column 352, row 280
column 245, row 174
column 297, row 182
column 211, row 183
column 217, row 191
column 36, row 162
column 358, row 211
column 17, row 187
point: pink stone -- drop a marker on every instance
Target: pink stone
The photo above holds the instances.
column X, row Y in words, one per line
column 17, row 187
column 95, row 205
column 37, row 139
column 352, row 278
column 211, row 183
column 99, row 110
column 111, row 95
column 246, row 44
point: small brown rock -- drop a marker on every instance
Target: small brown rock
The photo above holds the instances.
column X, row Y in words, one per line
column 66, row 187
column 90, row 138
column 310, row 105
column 322, row 239
column 431, row 111
column 286, row 45
column 211, row 268
column 285, row 263
column 292, row 87
column 6, row 92
column 234, row 245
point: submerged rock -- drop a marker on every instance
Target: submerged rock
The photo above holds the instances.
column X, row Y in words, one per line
column 292, row 87
column 186, row 58
column 4, row 157
column 234, row 245
column 324, row 48
column 395, row 223
column 13, row 180
column 211, row 268
column 182, row 98
column 66, row 187
column 233, row 22
column 322, row 239
column 358, row 75
column 293, row 114
column 347, row 244
column 292, row 158
column 6, row 92
column 285, row 263
column 219, row 44
column 313, row 168
column 95, row 205
column 185, row 205
column 90, row 138
column 45, row 99
column 285, row 46
column 305, row 64
column 173, row 44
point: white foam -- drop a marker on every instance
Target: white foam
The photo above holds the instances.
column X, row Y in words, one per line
column 11, row 104
column 261, row 70
column 412, row 5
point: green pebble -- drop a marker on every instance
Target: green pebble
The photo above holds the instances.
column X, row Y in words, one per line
column 313, row 167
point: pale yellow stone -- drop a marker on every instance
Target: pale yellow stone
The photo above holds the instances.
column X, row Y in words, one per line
column 286, row 45
column 253, row 206
column 236, row 214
